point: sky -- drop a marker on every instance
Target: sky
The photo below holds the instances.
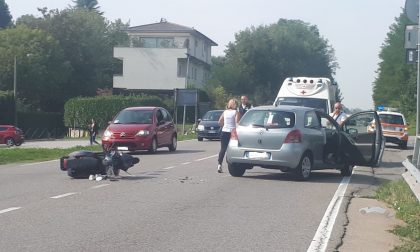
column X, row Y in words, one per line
column 356, row 29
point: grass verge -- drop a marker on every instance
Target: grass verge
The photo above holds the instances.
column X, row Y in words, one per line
column 26, row 155
column 399, row 195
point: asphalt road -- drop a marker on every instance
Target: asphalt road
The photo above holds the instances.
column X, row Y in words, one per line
column 172, row 202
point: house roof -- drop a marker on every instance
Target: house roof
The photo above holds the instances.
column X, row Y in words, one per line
column 165, row 26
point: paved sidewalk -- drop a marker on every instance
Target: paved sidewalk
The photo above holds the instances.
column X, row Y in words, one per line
column 55, row 143
column 365, row 222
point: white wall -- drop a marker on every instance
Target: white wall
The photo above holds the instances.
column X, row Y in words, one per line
column 149, row 68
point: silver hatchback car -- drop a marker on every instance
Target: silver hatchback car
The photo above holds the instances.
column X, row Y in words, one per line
column 301, row 139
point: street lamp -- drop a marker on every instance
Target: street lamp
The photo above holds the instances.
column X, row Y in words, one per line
column 14, row 89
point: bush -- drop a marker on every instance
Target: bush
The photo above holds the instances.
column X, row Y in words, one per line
column 79, row 111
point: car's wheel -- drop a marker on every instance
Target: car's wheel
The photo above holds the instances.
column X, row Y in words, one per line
column 346, row 170
column 403, row 145
column 18, row 143
column 303, row 170
column 153, row 147
column 10, row 141
column 236, row 170
column 199, row 139
column 174, row 143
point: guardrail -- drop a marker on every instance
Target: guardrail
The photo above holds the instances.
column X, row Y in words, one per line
column 412, row 174
column 412, row 177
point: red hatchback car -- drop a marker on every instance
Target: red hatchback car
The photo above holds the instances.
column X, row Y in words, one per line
column 141, row 128
column 11, row 135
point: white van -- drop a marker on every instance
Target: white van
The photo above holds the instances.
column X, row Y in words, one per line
column 310, row 92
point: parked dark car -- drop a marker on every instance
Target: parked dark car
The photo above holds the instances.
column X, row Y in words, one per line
column 11, row 135
column 209, row 127
column 300, row 140
column 141, row 128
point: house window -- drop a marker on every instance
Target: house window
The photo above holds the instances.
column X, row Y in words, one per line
column 195, row 47
column 165, row 43
column 205, row 54
column 146, row 42
column 181, row 68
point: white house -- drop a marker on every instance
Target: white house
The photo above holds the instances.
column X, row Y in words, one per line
column 164, row 56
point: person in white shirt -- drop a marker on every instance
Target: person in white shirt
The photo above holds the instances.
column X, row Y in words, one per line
column 338, row 115
column 227, row 121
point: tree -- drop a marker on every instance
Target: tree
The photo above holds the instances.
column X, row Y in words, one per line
column 5, row 17
column 395, row 85
column 90, row 5
column 41, row 68
column 87, row 40
column 260, row 58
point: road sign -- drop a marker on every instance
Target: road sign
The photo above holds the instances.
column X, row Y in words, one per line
column 411, row 56
column 186, row 97
column 412, row 10
column 411, row 36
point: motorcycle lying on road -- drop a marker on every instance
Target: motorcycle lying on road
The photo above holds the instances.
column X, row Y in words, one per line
column 82, row 164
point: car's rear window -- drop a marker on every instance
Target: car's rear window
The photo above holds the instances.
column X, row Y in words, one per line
column 268, row 118
column 391, row 119
column 321, row 104
column 134, row 117
column 212, row 115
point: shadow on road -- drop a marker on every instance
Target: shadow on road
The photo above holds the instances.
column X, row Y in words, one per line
column 165, row 152
column 324, row 176
column 396, row 147
column 135, row 177
column 316, row 176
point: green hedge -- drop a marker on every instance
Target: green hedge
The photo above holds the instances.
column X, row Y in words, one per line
column 7, row 107
column 79, row 111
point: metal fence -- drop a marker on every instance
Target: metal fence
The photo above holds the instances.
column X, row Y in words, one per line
column 412, row 165
column 44, row 133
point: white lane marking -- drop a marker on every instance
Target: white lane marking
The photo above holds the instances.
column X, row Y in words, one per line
column 99, row 186
column 320, row 241
column 186, row 163
column 63, row 195
column 38, row 163
column 170, row 167
column 9, row 209
column 201, row 159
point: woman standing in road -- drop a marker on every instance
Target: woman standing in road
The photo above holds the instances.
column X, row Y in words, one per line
column 227, row 121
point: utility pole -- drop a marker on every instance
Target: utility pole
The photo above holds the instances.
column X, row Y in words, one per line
column 15, row 88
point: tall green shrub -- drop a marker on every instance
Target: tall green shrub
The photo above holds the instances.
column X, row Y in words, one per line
column 79, row 111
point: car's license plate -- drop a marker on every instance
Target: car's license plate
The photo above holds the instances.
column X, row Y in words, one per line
column 212, row 131
column 258, row 155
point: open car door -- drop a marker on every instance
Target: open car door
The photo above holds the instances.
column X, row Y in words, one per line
column 362, row 142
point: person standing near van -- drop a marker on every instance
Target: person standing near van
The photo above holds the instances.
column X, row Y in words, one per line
column 245, row 106
column 338, row 115
column 227, row 121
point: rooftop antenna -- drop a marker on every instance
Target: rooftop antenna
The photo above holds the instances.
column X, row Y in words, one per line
column 163, row 20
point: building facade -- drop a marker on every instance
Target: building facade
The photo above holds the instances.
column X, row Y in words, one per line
column 164, row 56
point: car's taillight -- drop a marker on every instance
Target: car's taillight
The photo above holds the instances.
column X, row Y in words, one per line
column 294, row 136
column 234, row 138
